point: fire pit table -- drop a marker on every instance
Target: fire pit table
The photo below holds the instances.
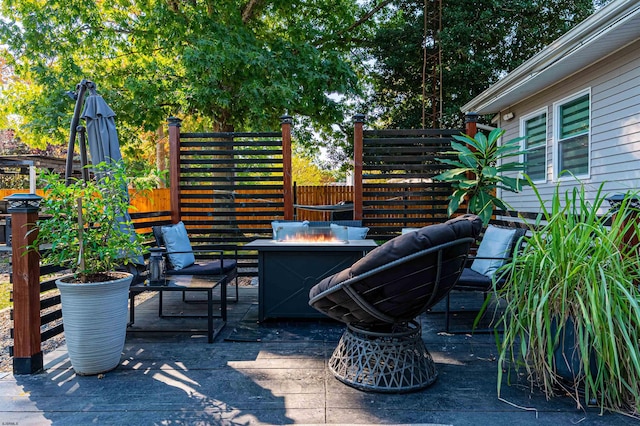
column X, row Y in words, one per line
column 288, row 269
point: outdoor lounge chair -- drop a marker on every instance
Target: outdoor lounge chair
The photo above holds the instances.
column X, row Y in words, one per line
column 379, row 298
column 496, row 248
column 180, row 257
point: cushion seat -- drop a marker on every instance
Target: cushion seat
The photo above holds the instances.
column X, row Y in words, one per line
column 181, row 260
column 496, row 248
column 209, row 268
column 378, row 298
column 473, row 280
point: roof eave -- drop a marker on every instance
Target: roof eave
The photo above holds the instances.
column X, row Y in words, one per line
column 562, row 58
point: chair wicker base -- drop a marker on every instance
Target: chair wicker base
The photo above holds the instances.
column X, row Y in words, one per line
column 383, row 362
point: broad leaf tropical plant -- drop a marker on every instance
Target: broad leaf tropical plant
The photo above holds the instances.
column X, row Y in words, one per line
column 83, row 227
column 576, row 276
column 479, row 170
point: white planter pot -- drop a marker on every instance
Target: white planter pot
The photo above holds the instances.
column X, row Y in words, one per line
column 95, row 323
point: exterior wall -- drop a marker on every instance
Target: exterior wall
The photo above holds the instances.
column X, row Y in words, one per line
column 614, row 83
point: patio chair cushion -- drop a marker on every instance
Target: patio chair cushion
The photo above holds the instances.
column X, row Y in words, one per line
column 209, row 268
column 401, row 246
column 178, row 246
column 353, row 232
column 493, row 250
column 473, row 280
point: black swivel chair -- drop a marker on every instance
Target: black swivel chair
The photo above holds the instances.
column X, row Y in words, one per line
column 379, row 298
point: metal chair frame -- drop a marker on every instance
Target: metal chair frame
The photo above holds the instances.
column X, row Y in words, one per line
column 463, row 286
column 220, row 253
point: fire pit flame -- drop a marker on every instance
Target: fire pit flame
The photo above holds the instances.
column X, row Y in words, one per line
column 313, row 235
column 306, row 238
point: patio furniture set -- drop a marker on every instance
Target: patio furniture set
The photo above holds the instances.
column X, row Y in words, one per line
column 377, row 291
column 180, row 272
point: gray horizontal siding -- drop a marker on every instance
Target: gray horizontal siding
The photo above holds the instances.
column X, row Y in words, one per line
column 615, row 125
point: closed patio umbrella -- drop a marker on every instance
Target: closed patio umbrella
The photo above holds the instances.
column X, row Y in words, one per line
column 101, row 135
column 101, row 129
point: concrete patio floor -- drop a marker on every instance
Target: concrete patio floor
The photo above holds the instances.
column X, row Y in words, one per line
column 277, row 376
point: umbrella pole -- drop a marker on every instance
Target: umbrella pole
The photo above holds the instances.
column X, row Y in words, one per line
column 81, row 263
column 83, row 152
column 81, row 88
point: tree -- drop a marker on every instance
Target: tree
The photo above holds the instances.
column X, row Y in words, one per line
column 306, row 172
column 480, row 40
column 241, row 64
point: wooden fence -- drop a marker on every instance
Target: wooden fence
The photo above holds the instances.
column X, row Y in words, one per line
column 141, row 202
column 159, row 200
column 396, row 178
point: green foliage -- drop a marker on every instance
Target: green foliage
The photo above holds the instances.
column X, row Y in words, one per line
column 331, row 146
column 575, row 267
column 479, row 170
column 480, row 41
column 18, row 177
column 5, row 295
column 240, row 64
column 102, row 240
column 305, row 172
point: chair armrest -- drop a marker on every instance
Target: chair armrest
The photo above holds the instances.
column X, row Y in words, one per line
column 486, row 257
column 214, row 251
column 470, row 259
column 197, row 252
column 193, row 251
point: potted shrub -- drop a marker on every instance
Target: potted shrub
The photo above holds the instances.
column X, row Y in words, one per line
column 83, row 230
column 572, row 316
column 479, row 170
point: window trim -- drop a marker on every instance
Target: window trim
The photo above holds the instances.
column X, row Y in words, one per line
column 523, row 120
column 556, row 136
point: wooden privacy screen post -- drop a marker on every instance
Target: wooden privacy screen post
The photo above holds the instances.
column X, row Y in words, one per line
column 174, row 167
column 27, row 350
column 471, row 123
column 287, row 186
column 358, row 123
column 471, row 128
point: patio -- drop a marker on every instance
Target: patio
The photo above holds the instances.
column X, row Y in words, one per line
column 273, row 374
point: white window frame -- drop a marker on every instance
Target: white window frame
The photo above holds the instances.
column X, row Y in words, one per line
column 556, row 136
column 523, row 121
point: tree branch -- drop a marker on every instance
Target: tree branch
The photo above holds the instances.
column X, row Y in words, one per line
column 359, row 22
column 366, row 16
column 249, row 9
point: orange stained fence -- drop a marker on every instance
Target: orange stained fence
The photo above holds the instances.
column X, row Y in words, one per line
column 158, row 200
column 141, row 202
column 6, row 192
column 320, row 196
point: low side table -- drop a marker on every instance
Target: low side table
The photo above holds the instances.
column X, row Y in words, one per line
column 186, row 283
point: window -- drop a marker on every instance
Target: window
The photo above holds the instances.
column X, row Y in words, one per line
column 572, row 134
column 534, row 146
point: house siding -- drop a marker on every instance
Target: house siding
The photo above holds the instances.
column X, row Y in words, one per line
column 614, row 83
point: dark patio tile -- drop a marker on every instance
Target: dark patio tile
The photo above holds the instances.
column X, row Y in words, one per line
column 176, row 378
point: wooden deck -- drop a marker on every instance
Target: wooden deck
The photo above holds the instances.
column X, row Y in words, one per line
column 274, row 373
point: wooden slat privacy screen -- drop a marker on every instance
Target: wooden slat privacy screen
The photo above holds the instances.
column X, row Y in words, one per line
column 397, row 186
column 230, row 189
column 231, row 186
